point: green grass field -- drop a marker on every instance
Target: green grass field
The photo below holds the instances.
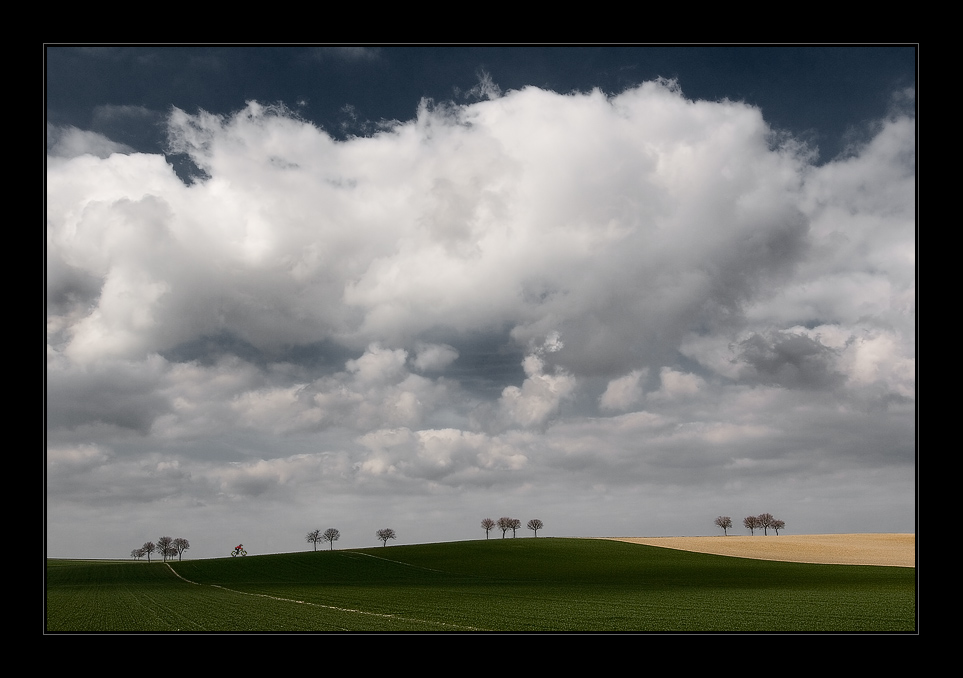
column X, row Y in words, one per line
column 540, row 584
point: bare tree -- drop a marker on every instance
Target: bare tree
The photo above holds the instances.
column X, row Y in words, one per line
column 765, row 521
column 504, row 524
column 148, row 548
column 180, row 545
column 751, row 523
column 516, row 525
column 164, row 546
column 314, row 537
column 725, row 522
column 487, row 524
column 778, row 525
column 331, row 535
column 137, row 554
column 386, row 534
column 535, row 524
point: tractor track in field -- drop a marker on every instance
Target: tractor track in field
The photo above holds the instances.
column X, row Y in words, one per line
column 332, row 607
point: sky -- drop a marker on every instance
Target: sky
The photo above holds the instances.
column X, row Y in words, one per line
column 623, row 290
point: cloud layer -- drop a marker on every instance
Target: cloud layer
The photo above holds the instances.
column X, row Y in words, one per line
column 668, row 295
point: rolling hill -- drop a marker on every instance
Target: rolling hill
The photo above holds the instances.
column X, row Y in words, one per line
column 543, row 584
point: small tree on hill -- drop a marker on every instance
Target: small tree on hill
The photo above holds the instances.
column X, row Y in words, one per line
column 487, row 525
column 331, row 535
column 751, row 523
column 765, row 521
column 148, row 548
column 180, row 545
column 386, row 534
column 137, row 554
column 535, row 525
column 504, row 524
column 313, row 537
column 164, row 546
column 725, row 522
column 778, row 525
column 516, row 525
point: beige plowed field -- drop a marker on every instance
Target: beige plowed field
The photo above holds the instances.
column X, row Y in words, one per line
column 898, row 550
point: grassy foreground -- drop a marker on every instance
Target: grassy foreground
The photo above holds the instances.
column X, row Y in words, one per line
column 498, row 585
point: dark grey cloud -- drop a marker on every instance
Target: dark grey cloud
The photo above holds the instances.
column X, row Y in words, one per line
column 790, row 360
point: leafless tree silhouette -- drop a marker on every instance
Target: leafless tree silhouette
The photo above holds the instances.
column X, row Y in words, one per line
column 164, row 546
column 504, row 524
column 725, row 522
column 180, row 545
column 386, row 534
column 331, row 535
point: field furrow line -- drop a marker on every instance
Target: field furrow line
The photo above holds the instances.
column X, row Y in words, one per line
column 349, row 610
column 180, row 577
column 398, row 562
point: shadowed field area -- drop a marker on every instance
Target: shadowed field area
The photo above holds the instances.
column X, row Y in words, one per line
column 544, row 584
column 895, row 550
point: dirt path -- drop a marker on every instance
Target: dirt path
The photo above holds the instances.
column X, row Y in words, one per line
column 897, row 550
